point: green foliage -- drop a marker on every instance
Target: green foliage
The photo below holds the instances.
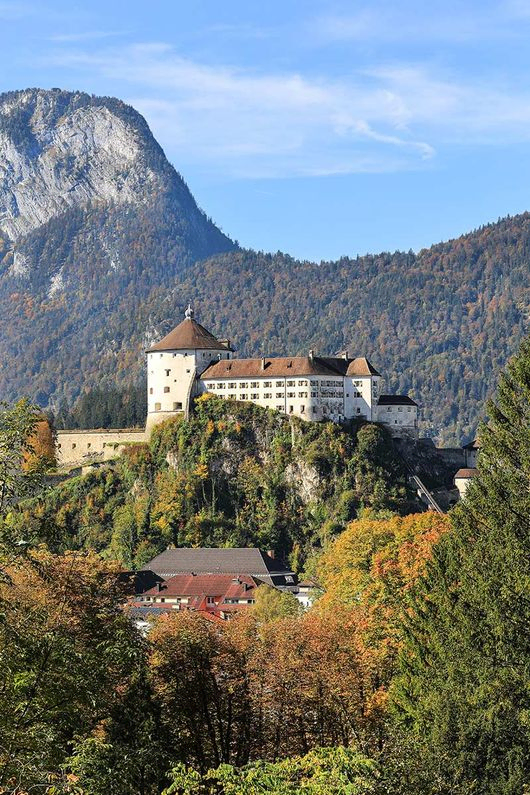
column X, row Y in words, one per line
column 463, row 694
column 323, row 771
column 271, row 604
column 106, row 408
column 17, row 425
column 231, row 475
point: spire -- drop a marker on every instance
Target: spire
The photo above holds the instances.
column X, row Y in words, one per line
column 188, row 314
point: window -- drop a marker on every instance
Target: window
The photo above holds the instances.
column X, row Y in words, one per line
column 291, row 394
column 358, row 411
column 166, row 389
column 177, row 406
column 291, row 409
column 243, row 386
column 188, row 371
column 168, row 372
column 158, row 406
column 210, row 600
column 314, row 394
column 267, row 384
column 232, row 385
column 302, row 394
column 232, row 396
column 267, row 395
column 302, row 383
column 279, row 383
column 243, row 397
column 279, row 394
column 89, row 445
column 73, row 446
column 210, row 386
column 254, row 384
column 221, row 386
column 279, row 408
column 302, row 409
column 151, row 390
column 254, row 396
column 290, row 383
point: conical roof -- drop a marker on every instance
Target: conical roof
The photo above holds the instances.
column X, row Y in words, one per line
column 188, row 335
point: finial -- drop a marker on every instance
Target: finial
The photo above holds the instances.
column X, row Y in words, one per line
column 189, row 312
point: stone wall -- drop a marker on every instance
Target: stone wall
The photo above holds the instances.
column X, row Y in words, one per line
column 86, row 447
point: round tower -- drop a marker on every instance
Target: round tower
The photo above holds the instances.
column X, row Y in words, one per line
column 174, row 365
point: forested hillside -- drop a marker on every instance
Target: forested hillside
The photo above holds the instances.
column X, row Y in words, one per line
column 233, row 475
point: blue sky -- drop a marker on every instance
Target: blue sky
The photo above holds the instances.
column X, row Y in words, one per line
column 317, row 128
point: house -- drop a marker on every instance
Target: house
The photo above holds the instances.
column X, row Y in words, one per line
column 221, row 594
column 236, row 562
column 463, row 478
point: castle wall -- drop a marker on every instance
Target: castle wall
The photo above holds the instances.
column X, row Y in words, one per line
column 85, row 447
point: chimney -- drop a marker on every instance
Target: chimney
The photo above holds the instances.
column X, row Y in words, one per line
column 271, row 553
column 311, row 354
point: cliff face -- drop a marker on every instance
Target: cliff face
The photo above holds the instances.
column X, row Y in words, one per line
column 93, row 218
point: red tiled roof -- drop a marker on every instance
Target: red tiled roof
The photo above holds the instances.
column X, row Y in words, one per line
column 200, row 585
column 275, row 368
column 361, row 366
column 188, row 335
column 466, row 473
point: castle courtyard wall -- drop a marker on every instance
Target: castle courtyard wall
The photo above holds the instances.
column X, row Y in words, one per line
column 86, row 447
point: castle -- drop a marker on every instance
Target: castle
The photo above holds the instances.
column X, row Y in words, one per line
column 190, row 361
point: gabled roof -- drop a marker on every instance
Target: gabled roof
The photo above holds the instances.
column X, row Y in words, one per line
column 221, row 585
column 207, row 560
column 361, row 366
column 466, row 473
column 395, row 400
column 189, row 335
column 270, row 367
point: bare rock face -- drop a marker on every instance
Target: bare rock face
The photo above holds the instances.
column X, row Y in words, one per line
column 94, row 221
column 86, row 155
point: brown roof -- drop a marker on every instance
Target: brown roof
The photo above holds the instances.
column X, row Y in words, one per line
column 188, row 335
column 204, row 585
column 275, row 368
column 466, row 473
column 361, row 366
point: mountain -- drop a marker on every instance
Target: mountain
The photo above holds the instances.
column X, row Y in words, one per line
column 102, row 245
column 92, row 216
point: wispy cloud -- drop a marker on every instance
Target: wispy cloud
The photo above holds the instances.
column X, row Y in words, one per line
column 88, row 35
column 244, row 123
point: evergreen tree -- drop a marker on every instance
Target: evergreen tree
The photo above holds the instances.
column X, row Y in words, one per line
column 464, row 692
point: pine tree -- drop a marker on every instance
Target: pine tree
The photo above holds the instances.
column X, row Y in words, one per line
column 464, row 694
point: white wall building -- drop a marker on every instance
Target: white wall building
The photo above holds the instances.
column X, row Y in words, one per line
column 190, row 361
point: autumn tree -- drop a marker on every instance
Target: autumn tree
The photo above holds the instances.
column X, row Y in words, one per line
column 67, row 653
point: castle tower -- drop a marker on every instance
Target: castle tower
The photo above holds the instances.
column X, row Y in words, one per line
column 174, row 364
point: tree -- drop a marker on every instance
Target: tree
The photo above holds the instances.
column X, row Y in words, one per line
column 18, row 424
column 322, row 771
column 463, row 694
column 67, row 655
column 271, row 604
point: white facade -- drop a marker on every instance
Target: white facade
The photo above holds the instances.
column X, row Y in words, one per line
column 191, row 361
column 398, row 416
column 172, row 369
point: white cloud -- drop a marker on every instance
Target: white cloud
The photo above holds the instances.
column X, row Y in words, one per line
column 89, row 35
column 245, row 123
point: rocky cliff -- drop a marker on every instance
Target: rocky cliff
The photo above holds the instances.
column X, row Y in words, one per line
column 92, row 219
